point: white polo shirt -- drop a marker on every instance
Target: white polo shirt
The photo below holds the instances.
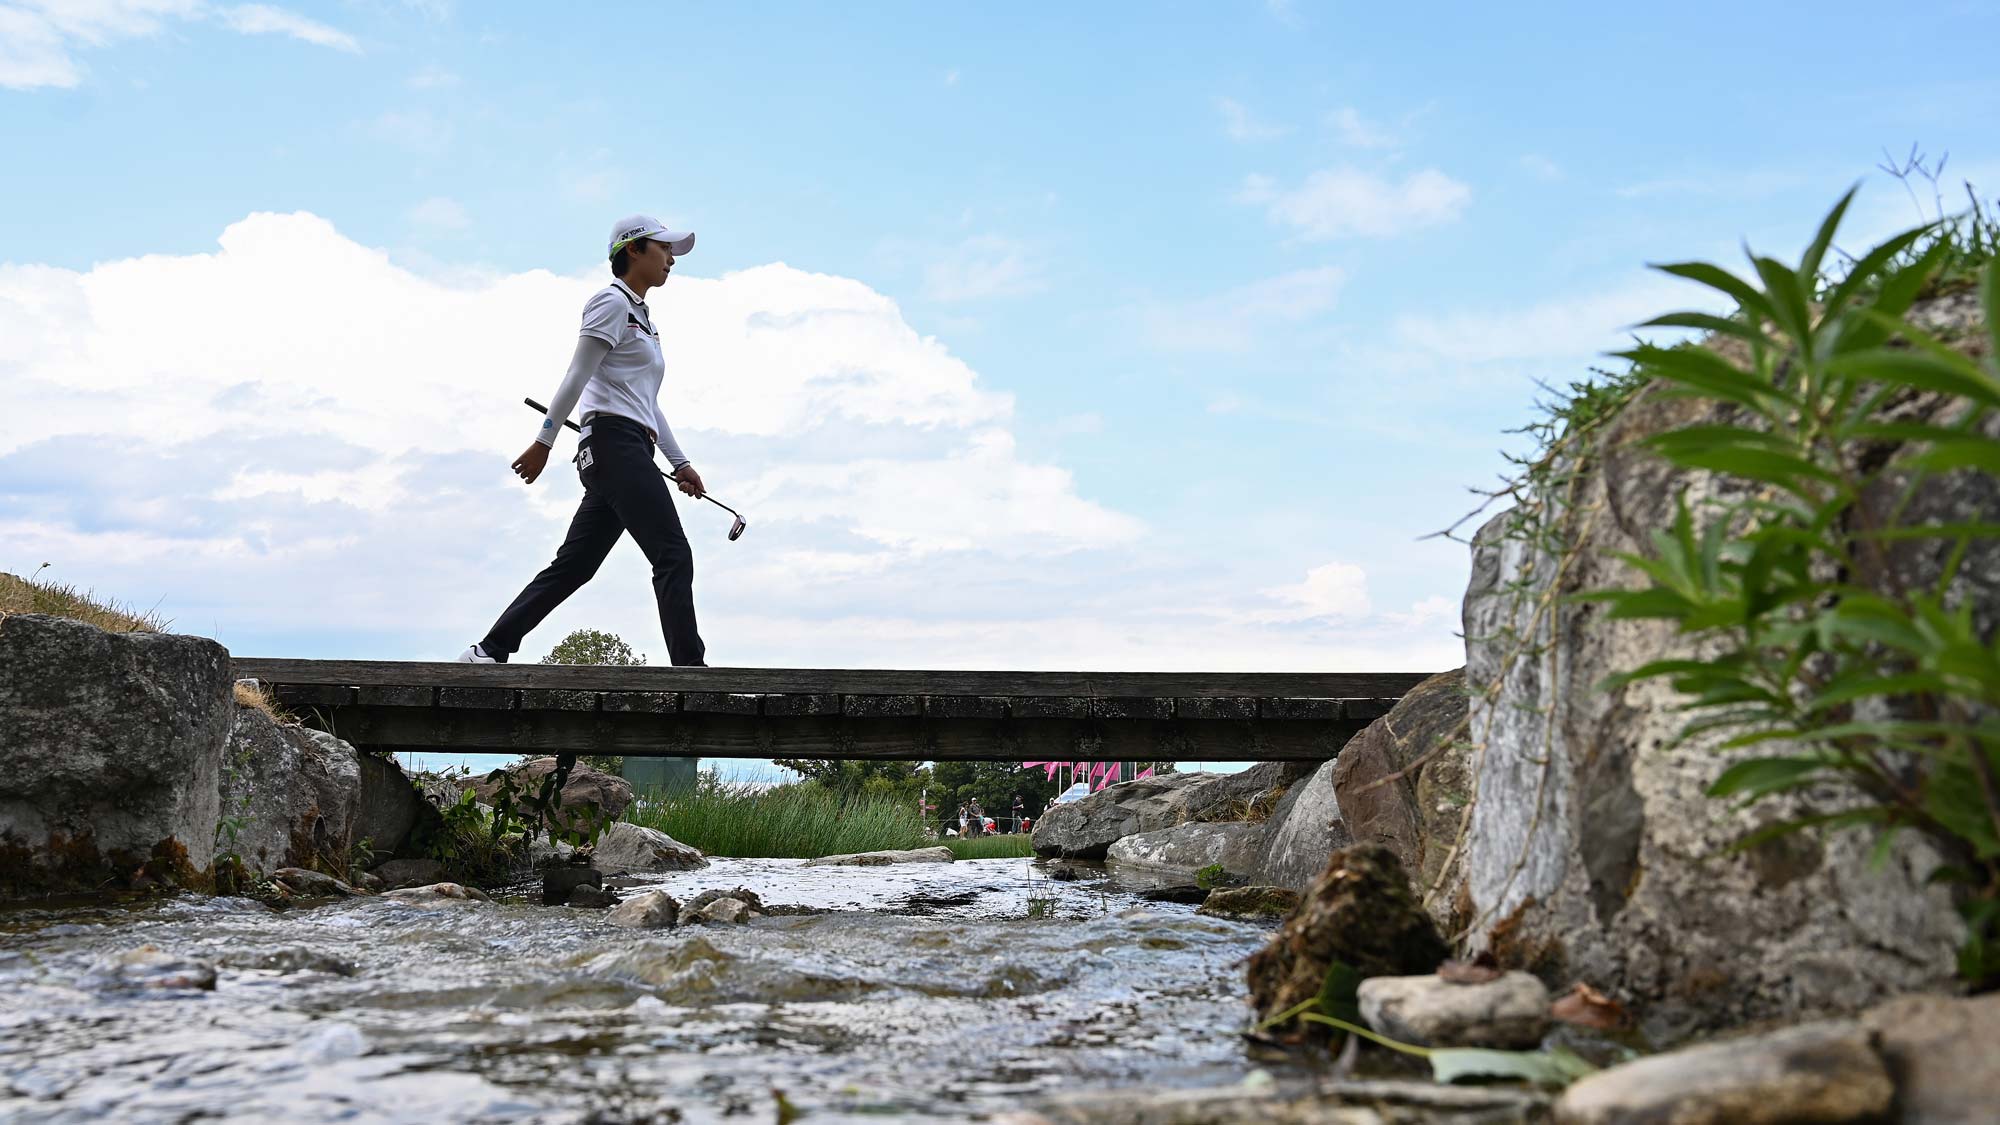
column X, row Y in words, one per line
column 627, row 381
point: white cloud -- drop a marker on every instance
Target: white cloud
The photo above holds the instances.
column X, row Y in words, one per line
column 1242, row 126
column 40, row 39
column 1346, row 202
column 983, row 266
column 262, row 19
column 433, row 77
column 1334, row 590
column 1541, row 167
column 440, row 213
column 1356, row 131
column 414, row 129
column 1236, row 319
column 1573, row 327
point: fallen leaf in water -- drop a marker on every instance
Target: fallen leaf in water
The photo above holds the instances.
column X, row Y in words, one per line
column 1584, row 1006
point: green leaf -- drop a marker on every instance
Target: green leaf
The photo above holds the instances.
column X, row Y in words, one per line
column 1702, row 370
column 1879, row 320
column 1916, row 369
column 1788, row 299
column 1966, row 453
column 1653, row 670
column 1628, row 605
column 1337, row 992
column 1760, row 777
column 1711, row 437
column 1715, row 277
column 1720, row 325
column 1989, row 298
column 1870, row 264
column 1769, row 465
column 1816, row 252
column 1555, row 1067
column 1867, row 686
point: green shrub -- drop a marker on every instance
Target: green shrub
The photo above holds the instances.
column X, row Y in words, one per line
column 1826, row 645
column 1011, row 846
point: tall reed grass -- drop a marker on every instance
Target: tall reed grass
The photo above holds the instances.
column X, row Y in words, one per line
column 802, row 821
column 1012, row 846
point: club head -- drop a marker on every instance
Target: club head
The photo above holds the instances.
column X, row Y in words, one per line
column 736, row 529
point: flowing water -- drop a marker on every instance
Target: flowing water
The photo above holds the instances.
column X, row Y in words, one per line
column 929, row 994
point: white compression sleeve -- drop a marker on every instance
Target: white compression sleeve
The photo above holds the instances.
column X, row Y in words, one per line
column 590, row 353
column 668, row 445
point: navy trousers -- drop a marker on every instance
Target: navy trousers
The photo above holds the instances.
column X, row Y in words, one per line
column 622, row 491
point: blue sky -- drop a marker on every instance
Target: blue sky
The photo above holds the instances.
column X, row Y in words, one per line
column 1110, row 335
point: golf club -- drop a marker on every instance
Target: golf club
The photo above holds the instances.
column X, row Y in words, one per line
column 735, row 529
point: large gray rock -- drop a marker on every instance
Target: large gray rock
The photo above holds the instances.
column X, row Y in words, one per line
column 1944, row 1053
column 111, row 747
column 389, row 807
column 938, row 854
column 1085, row 829
column 1821, row 1072
column 626, row 848
column 1405, row 780
column 1593, row 851
column 1511, row 1011
column 1305, row 828
column 288, row 795
column 1235, row 845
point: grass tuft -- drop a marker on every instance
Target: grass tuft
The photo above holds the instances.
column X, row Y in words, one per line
column 33, row 595
column 1015, row 846
column 802, row 821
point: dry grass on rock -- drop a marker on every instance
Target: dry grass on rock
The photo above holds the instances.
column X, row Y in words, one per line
column 27, row 595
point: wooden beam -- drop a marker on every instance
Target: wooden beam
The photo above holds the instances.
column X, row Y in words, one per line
column 340, row 674
column 721, row 735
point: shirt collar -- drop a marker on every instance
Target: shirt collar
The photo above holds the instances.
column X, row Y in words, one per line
column 620, row 283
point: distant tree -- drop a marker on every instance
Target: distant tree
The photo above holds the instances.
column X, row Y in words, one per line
column 590, row 646
column 994, row 785
column 593, row 646
column 886, row 779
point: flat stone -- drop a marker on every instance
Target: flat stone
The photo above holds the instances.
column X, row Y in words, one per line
column 699, row 902
column 312, row 884
column 592, row 897
column 938, row 854
column 1250, row 902
column 1187, row 848
column 437, row 894
column 1510, row 1012
column 1944, row 1053
column 654, row 910
column 1820, row 1072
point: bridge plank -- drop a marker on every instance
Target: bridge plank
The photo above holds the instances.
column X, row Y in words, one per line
column 643, row 734
column 719, row 703
column 648, row 702
column 835, row 681
column 802, row 703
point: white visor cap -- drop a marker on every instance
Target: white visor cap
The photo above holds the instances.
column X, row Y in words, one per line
column 634, row 227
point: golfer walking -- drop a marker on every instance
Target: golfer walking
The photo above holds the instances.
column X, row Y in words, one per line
column 615, row 377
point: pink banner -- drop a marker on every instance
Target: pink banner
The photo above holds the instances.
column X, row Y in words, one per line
column 1144, row 773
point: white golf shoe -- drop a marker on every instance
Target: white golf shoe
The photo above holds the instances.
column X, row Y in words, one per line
column 475, row 655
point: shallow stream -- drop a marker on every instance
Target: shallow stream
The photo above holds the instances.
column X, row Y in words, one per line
column 930, row 994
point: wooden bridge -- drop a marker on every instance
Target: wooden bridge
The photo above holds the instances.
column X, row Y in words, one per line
column 821, row 713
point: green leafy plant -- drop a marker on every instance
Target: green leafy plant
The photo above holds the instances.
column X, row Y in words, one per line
column 1831, row 599
column 1210, row 877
